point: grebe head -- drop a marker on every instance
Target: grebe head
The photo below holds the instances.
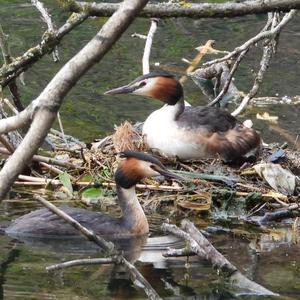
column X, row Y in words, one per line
column 159, row 85
column 135, row 166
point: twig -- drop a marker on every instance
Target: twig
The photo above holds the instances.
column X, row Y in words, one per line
column 264, row 64
column 7, row 60
column 6, row 144
column 80, row 262
column 48, row 160
column 141, row 36
column 200, row 245
column 62, row 130
column 228, row 80
column 255, row 39
column 287, row 212
column 4, row 46
column 54, row 169
column 55, row 182
column 47, row 18
column 148, row 44
column 195, row 62
column 16, row 67
column 68, row 137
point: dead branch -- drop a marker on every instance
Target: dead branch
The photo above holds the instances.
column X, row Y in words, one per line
column 290, row 211
column 222, row 75
column 172, row 252
column 268, row 51
column 49, row 40
column 148, row 44
column 7, row 60
column 107, row 246
column 192, row 10
column 90, row 235
column 46, row 106
column 81, row 262
column 262, row 35
column 228, row 81
column 45, row 159
column 47, row 18
column 202, row 247
column 62, row 129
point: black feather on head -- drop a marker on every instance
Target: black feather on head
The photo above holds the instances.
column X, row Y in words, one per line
column 127, row 180
column 141, row 156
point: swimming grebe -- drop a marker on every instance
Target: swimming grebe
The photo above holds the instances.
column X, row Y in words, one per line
column 189, row 132
column 133, row 167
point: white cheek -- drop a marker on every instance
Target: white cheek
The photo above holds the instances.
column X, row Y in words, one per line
column 146, row 89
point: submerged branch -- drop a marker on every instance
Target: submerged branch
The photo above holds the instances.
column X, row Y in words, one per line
column 203, row 248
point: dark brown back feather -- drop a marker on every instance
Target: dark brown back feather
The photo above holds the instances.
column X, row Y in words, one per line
column 210, row 118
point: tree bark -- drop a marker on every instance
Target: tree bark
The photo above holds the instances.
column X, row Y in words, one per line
column 191, row 10
column 50, row 100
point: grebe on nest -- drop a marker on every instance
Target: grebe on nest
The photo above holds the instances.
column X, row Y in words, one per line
column 133, row 167
column 189, row 133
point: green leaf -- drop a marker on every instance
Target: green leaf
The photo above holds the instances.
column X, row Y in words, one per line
column 92, row 193
column 66, row 181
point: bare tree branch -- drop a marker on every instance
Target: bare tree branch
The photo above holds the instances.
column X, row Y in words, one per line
column 107, row 246
column 229, row 79
column 7, row 60
column 80, row 262
column 262, row 35
column 192, row 10
column 203, row 248
column 49, row 40
column 50, row 100
column 148, row 44
column 268, row 51
column 47, row 18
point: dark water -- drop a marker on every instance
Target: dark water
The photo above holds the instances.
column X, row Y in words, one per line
column 87, row 113
column 271, row 259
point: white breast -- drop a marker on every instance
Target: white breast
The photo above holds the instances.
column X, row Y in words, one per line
column 163, row 134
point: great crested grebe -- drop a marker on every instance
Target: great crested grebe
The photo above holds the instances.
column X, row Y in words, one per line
column 176, row 130
column 133, row 167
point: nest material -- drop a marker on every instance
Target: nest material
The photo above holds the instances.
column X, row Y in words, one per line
column 211, row 183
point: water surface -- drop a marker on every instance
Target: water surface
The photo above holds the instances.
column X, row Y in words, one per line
column 271, row 259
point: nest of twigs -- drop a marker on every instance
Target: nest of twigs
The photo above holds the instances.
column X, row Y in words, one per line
column 210, row 184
